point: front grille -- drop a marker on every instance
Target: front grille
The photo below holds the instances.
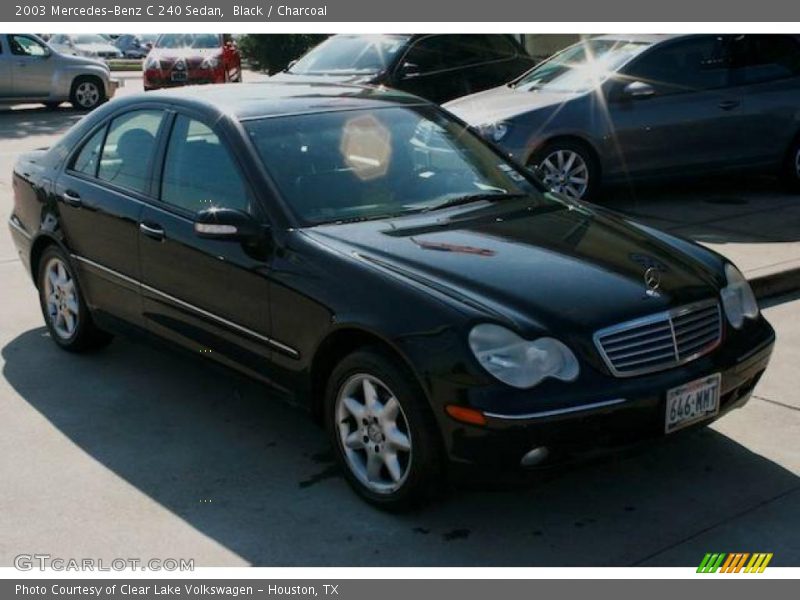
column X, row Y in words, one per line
column 662, row 340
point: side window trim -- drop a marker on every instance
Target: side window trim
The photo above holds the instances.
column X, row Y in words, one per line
column 70, row 163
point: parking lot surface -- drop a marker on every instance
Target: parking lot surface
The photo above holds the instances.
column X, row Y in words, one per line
column 140, row 452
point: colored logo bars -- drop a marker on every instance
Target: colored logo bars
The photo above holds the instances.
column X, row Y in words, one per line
column 734, row 562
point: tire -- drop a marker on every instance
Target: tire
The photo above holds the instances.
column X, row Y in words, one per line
column 562, row 164
column 51, row 105
column 87, row 93
column 407, row 432
column 60, row 296
column 791, row 169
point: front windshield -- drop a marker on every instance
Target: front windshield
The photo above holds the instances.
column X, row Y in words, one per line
column 177, row 41
column 581, row 67
column 351, row 54
column 367, row 164
column 89, row 39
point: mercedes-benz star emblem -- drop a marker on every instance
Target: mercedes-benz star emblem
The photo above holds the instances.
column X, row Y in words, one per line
column 652, row 281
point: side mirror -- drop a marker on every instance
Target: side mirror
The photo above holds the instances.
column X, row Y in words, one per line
column 409, row 70
column 227, row 224
column 638, row 90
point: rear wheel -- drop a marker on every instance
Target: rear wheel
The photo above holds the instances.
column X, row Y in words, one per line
column 567, row 168
column 383, row 432
column 87, row 93
column 65, row 312
column 791, row 168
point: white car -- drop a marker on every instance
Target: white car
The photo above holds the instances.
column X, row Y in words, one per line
column 32, row 71
column 90, row 45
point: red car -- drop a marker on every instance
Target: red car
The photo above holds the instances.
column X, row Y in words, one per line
column 189, row 58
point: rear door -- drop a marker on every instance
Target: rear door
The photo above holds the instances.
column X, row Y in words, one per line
column 101, row 193
column 211, row 296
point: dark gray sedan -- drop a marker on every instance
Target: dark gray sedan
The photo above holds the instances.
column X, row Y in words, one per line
column 617, row 108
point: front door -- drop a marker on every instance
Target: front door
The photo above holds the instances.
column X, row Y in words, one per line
column 31, row 67
column 211, row 296
column 691, row 122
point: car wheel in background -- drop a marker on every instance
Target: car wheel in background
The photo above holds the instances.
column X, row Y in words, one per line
column 791, row 169
column 87, row 93
column 567, row 167
column 65, row 312
column 382, row 430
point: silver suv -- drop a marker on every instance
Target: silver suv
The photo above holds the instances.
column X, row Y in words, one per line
column 32, row 71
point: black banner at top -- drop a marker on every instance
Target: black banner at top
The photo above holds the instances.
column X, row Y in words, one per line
column 155, row 11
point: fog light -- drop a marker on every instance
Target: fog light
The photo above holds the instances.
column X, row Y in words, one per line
column 535, row 457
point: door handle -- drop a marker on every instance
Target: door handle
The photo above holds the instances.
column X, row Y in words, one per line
column 152, row 231
column 72, row 198
column 729, row 104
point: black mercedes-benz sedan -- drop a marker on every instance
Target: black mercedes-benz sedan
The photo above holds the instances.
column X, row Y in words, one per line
column 423, row 295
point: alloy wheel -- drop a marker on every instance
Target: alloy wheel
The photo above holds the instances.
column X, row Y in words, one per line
column 373, row 433
column 87, row 94
column 565, row 172
column 61, row 299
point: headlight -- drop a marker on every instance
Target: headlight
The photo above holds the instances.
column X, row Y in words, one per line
column 518, row 362
column 494, row 131
column 210, row 62
column 738, row 298
column 152, row 63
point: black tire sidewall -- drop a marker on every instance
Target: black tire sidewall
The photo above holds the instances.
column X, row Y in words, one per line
column 426, row 471
column 580, row 149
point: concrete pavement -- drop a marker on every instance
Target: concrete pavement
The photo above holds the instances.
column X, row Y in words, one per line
column 140, row 452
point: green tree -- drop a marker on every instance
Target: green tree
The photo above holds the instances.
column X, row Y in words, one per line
column 273, row 52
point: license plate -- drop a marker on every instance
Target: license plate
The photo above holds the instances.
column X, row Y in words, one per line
column 692, row 402
column 179, row 76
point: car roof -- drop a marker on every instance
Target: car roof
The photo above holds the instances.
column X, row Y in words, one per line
column 245, row 101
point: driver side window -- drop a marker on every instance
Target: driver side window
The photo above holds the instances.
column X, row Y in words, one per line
column 199, row 172
column 22, row 45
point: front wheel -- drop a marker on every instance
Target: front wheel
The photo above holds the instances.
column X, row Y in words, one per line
column 65, row 312
column 567, row 168
column 87, row 93
column 383, row 432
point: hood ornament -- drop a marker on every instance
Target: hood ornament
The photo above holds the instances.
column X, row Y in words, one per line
column 652, row 281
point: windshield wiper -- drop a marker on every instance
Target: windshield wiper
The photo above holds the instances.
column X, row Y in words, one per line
column 470, row 198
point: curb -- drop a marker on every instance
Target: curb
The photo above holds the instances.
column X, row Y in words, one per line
column 776, row 284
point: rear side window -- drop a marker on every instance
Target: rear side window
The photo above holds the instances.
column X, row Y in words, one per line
column 128, row 151
column 689, row 65
column 760, row 58
column 199, row 172
column 89, row 157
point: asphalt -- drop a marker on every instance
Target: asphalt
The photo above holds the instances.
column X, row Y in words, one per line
column 140, row 452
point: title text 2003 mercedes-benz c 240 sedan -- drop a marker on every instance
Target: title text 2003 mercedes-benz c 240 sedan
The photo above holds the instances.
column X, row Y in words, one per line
column 429, row 301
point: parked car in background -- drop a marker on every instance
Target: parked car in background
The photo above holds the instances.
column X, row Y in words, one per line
column 422, row 295
column 91, row 45
column 190, row 58
column 618, row 108
column 132, row 45
column 436, row 67
column 32, row 71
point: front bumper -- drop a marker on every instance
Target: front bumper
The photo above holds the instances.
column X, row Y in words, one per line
column 161, row 78
column 619, row 413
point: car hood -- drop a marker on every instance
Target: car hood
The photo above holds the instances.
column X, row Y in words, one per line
column 545, row 265
column 96, row 48
column 504, row 102
column 349, row 78
column 176, row 53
